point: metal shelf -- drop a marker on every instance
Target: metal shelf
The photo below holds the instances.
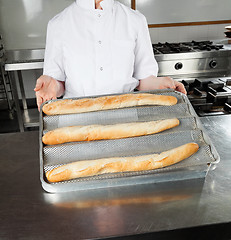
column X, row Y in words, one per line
column 16, row 62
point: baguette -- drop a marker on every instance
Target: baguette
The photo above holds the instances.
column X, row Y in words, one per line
column 68, row 106
column 121, row 164
column 98, row 132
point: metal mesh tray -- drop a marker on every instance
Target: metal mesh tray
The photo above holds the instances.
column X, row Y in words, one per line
column 189, row 130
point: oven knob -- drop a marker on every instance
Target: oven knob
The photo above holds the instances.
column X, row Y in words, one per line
column 178, row 66
column 213, row 64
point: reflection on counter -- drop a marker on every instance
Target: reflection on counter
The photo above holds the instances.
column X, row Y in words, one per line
column 121, row 201
column 155, row 194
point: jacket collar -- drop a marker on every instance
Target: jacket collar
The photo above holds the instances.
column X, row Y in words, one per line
column 90, row 4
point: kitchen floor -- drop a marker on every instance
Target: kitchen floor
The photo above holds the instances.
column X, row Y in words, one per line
column 8, row 120
column 7, row 124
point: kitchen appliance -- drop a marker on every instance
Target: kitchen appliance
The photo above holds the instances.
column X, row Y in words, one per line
column 204, row 68
column 228, row 33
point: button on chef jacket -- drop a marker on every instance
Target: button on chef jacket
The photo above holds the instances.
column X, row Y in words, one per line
column 98, row 51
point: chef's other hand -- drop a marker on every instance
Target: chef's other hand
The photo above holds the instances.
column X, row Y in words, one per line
column 47, row 88
column 152, row 83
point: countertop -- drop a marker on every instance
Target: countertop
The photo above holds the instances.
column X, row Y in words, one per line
column 24, row 59
column 159, row 210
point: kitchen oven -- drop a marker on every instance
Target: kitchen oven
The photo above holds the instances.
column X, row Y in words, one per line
column 204, row 68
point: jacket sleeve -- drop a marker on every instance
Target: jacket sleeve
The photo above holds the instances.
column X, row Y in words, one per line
column 53, row 59
column 145, row 63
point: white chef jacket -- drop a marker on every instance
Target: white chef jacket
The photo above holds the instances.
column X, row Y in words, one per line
column 98, row 51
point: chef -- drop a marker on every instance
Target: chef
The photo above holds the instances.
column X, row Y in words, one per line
column 96, row 47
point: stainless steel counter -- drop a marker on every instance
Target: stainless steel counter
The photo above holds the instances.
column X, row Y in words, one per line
column 27, row 212
column 25, row 59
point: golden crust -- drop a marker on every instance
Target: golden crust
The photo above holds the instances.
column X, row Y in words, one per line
column 69, row 106
column 121, row 164
column 98, row 132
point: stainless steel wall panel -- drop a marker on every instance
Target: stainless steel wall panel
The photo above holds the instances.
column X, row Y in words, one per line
column 159, row 11
column 23, row 23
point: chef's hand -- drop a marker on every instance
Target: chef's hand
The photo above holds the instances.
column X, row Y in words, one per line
column 48, row 88
column 152, row 83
